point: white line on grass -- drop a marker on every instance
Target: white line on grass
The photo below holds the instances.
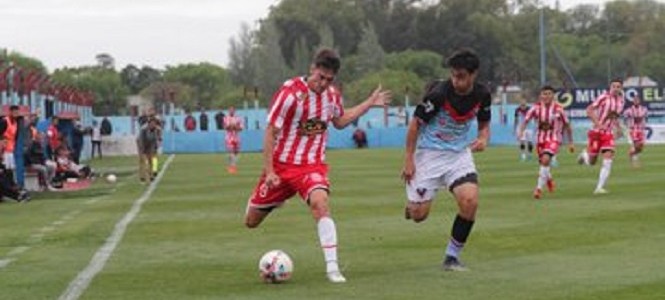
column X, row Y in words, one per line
column 80, row 283
column 5, row 262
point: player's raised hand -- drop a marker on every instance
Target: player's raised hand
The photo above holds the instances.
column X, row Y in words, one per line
column 380, row 97
column 408, row 171
column 479, row 145
column 272, row 180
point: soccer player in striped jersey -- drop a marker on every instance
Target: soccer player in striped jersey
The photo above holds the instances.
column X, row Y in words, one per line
column 439, row 145
column 525, row 137
column 551, row 122
column 635, row 118
column 295, row 145
column 233, row 126
column 604, row 113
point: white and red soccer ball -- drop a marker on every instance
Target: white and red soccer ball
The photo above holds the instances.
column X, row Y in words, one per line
column 275, row 266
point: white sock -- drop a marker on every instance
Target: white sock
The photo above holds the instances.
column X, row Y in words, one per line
column 454, row 248
column 604, row 173
column 328, row 239
column 543, row 175
column 585, row 157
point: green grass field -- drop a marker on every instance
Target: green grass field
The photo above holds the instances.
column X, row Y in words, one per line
column 188, row 241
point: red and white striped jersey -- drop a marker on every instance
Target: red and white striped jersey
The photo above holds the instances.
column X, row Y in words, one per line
column 302, row 117
column 609, row 108
column 232, row 121
column 550, row 120
column 636, row 117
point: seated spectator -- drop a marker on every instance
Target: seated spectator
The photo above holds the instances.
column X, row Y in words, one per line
column 360, row 138
column 66, row 168
column 8, row 188
column 35, row 159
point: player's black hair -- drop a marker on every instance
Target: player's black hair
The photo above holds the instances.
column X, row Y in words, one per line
column 547, row 88
column 464, row 59
column 13, row 107
column 617, row 79
column 328, row 59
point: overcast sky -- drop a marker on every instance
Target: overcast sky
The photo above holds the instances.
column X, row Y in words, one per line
column 152, row 32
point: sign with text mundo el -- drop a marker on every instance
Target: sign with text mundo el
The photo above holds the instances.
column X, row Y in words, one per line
column 575, row 101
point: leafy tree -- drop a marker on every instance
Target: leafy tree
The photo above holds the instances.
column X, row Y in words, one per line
column 138, row 79
column 23, row 61
column 370, row 54
column 271, row 69
column 426, row 64
column 208, row 81
column 241, row 69
column 106, row 84
column 401, row 83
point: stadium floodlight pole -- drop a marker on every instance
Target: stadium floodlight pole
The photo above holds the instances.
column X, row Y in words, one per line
column 543, row 78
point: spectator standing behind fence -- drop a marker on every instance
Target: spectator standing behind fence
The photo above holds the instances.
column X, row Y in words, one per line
column 203, row 121
column 77, row 141
column 219, row 119
column 106, row 127
column 190, row 122
column 96, row 139
column 360, row 138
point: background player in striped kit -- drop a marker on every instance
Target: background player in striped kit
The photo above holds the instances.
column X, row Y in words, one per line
column 524, row 138
column 604, row 113
column 233, row 126
column 295, row 144
column 551, row 123
column 635, row 118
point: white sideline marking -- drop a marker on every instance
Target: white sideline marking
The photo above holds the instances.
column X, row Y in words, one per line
column 18, row 250
column 5, row 262
column 82, row 281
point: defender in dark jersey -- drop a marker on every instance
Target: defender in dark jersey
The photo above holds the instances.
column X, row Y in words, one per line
column 439, row 146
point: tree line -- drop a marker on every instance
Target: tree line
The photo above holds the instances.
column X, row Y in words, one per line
column 399, row 44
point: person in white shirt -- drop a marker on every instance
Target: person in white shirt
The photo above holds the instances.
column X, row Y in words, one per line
column 96, row 138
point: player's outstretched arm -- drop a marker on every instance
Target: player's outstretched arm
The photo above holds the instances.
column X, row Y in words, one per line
column 379, row 97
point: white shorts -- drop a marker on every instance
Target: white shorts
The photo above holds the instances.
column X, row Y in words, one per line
column 8, row 160
column 527, row 136
column 436, row 169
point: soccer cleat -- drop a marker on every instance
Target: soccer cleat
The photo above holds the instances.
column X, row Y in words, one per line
column 451, row 263
column 550, row 185
column 336, row 277
column 23, row 196
column 537, row 193
column 600, row 191
column 232, row 169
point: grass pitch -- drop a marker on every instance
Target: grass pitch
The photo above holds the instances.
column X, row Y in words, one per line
column 189, row 241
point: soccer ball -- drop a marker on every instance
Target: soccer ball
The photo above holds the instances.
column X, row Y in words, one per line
column 111, row 178
column 275, row 266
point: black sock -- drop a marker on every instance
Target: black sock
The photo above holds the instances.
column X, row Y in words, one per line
column 461, row 229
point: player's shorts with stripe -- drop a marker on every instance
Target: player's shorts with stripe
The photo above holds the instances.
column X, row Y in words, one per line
column 301, row 179
column 526, row 136
column 637, row 136
column 599, row 141
column 548, row 147
column 439, row 168
column 232, row 144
